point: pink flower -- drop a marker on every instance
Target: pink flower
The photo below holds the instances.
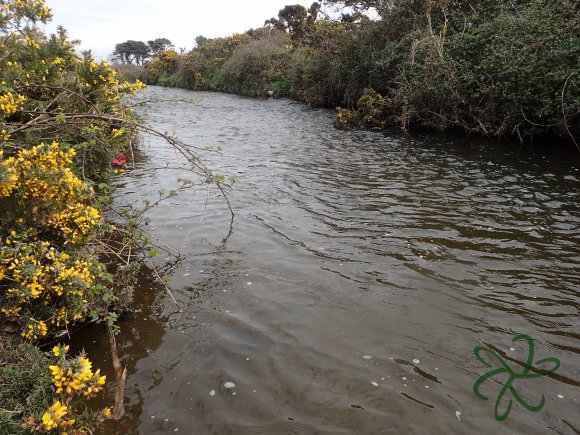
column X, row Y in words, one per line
column 120, row 160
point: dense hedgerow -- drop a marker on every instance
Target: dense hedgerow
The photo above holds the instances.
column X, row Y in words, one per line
column 498, row 68
column 62, row 120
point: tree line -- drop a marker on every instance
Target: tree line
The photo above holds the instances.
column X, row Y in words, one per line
column 137, row 52
column 493, row 67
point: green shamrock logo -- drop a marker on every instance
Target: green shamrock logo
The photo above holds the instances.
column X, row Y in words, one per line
column 479, row 352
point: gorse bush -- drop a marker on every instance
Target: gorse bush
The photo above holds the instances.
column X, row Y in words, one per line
column 62, row 120
column 130, row 73
column 50, row 388
column 65, row 131
column 257, row 66
column 47, row 280
column 498, row 68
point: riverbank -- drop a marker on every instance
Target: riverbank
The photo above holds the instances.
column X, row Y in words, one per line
column 497, row 69
column 65, row 129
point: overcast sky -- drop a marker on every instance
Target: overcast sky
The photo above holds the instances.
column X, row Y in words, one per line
column 100, row 24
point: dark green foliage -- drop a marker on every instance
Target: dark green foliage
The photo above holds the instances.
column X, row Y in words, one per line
column 132, row 52
column 201, row 40
column 495, row 67
column 26, row 384
column 158, row 45
column 254, row 67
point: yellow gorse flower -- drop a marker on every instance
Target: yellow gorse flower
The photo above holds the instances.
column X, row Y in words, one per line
column 77, row 378
column 10, row 105
column 34, row 330
column 53, row 418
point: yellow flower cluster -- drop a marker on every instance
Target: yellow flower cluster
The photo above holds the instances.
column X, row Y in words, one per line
column 42, row 174
column 9, row 105
column 117, row 132
column 54, row 418
column 33, row 273
column 76, row 221
column 72, row 380
column 19, row 9
column 77, row 379
column 8, row 175
column 34, row 330
column 22, row 270
column 131, row 88
column 343, row 116
column 45, row 174
column 56, row 350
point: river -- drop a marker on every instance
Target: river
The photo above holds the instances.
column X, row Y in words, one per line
column 357, row 277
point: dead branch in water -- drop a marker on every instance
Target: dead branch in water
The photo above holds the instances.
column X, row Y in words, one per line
column 120, row 375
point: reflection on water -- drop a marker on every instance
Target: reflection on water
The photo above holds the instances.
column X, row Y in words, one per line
column 361, row 271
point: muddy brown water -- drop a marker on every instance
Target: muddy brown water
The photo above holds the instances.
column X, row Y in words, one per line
column 359, row 274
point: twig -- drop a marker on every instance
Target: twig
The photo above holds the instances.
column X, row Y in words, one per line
column 564, row 114
column 120, row 375
column 167, row 289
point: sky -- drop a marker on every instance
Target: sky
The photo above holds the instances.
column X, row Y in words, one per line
column 100, row 24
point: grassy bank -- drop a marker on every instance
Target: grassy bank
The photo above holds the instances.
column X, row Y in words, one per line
column 494, row 68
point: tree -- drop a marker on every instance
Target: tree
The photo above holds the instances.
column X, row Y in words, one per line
column 158, row 45
column 295, row 19
column 201, row 40
column 361, row 4
column 131, row 52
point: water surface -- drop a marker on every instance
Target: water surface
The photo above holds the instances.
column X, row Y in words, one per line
column 360, row 271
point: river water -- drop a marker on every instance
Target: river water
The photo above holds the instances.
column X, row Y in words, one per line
column 357, row 277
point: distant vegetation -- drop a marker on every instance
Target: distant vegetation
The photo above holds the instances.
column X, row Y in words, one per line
column 136, row 52
column 494, row 67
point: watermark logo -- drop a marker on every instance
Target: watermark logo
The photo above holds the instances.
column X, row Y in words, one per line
column 529, row 371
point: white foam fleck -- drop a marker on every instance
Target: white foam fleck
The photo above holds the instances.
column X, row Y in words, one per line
column 374, row 384
column 249, row 283
column 458, row 415
column 212, row 393
column 229, row 385
column 367, row 356
column 404, row 378
column 560, row 396
column 416, row 361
